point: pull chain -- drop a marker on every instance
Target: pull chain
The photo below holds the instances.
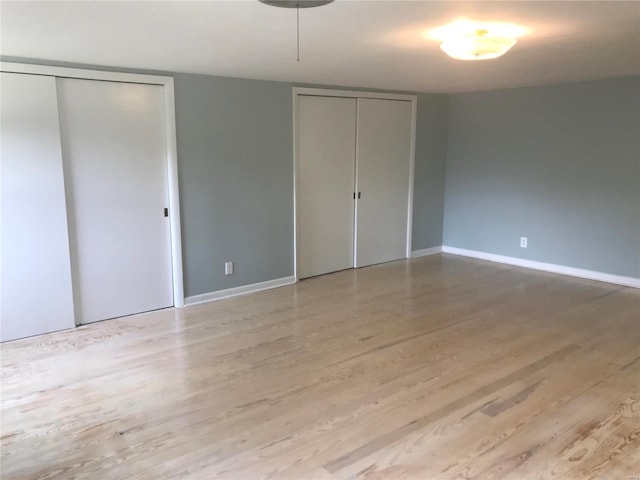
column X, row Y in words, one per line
column 297, row 4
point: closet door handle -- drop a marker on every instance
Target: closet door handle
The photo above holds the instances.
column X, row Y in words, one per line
column 359, row 195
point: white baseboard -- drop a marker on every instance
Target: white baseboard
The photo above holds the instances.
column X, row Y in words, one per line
column 426, row 251
column 547, row 267
column 519, row 262
column 243, row 290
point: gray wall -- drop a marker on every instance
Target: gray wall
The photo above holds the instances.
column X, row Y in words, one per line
column 559, row 165
column 235, row 165
column 431, row 155
column 235, row 154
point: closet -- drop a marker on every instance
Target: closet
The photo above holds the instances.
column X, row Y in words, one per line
column 114, row 157
column 353, row 191
column 85, row 229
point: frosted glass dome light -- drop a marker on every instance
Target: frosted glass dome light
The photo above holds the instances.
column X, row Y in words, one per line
column 478, row 46
column 466, row 40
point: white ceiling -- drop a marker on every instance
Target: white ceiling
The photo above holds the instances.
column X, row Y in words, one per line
column 374, row 44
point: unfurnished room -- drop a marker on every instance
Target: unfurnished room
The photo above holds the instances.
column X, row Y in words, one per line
column 320, row 240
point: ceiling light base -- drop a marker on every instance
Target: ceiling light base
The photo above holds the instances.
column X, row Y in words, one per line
column 296, row 3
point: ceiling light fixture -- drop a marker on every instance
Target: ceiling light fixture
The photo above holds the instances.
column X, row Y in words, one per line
column 479, row 45
column 297, row 4
column 465, row 40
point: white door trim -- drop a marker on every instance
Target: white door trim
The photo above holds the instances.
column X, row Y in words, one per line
column 412, row 162
column 325, row 92
column 172, row 152
column 321, row 92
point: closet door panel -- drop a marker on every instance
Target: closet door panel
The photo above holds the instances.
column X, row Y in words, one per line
column 114, row 149
column 325, row 144
column 36, row 293
column 383, row 164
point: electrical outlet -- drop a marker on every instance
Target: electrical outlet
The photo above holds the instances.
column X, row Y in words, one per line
column 523, row 242
column 228, row 268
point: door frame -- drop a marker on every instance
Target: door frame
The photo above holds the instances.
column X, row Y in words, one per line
column 171, row 147
column 322, row 92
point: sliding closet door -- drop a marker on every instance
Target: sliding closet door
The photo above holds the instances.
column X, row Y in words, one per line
column 383, row 159
column 36, row 294
column 113, row 143
column 326, row 139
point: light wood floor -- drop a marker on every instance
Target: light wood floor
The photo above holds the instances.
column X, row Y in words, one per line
column 435, row 368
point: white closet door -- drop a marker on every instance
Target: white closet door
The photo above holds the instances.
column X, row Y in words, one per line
column 113, row 143
column 326, row 138
column 36, row 295
column 383, row 159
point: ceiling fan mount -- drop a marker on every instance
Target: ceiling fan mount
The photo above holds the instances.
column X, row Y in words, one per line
column 296, row 3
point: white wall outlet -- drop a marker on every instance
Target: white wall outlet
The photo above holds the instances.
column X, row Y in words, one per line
column 228, row 268
column 523, row 242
